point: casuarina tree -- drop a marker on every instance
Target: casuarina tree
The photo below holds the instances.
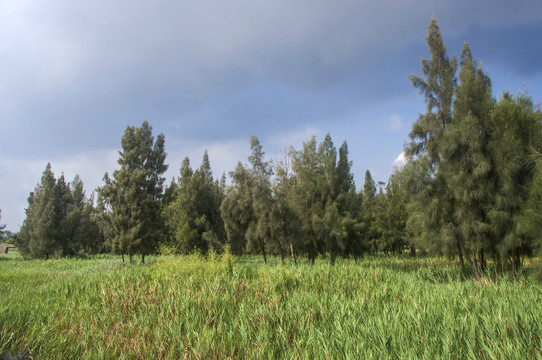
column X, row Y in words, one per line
column 135, row 191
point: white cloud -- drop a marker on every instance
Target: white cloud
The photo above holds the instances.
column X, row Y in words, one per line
column 293, row 138
column 393, row 122
column 223, row 155
column 19, row 178
column 399, row 161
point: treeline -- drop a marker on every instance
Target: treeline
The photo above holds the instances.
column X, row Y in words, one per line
column 473, row 185
column 471, row 188
column 60, row 220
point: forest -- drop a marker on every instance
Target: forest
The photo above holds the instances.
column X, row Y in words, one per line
column 471, row 190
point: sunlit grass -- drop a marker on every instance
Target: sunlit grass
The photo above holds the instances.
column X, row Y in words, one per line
column 188, row 306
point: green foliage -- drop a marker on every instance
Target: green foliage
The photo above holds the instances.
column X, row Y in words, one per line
column 432, row 208
column 135, row 191
column 193, row 210
column 168, row 248
column 324, row 199
column 236, row 209
column 59, row 220
column 258, row 233
column 284, row 220
column 391, row 216
column 437, row 88
column 465, row 160
column 517, row 134
column 469, row 175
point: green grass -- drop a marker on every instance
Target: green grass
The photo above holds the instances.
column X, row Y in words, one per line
column 177, row 307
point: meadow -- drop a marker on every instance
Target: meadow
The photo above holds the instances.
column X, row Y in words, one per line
column 224, row 307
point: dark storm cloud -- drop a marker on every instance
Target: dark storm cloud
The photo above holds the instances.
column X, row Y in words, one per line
column 518, row 49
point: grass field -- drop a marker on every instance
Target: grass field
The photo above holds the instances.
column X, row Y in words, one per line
column 188, row 307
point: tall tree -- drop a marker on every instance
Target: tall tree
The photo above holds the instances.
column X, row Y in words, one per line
column 516, row 133
column 59, row 220
column 324, row 198
column 80, row 228
column 307, row 196
column 465, row 161
column 102, row 218
column 284, row 221
column 391, row 216
column 135, row 192
column 370, row 209
column 531, row 219
column 349, row 206
column 236, row 209
column 259, row 231
column 432, row 209
column 38, row 232
column 437, row 88
column 194, row 211
column 62, row 205
column 329, row 221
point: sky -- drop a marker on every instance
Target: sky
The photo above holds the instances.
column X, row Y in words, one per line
column 211, row 73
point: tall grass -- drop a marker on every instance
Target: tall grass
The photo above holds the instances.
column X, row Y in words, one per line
column 192, row 307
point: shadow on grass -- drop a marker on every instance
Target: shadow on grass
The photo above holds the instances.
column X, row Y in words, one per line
column 10, row 256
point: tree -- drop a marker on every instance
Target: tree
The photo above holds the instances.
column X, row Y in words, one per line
column 390, row 216
column 438, row 90
column 236, row 209
column 349, row 205
column 432, row 208
column 465, row 162
column 370, row 208
column 62, row 203
column 194, row 211
column 102, row 218
column 259, row 230
column 530, row 220
column 80, row 228
column 38, row 232
column 517, row 133
column 307, row 196
column 59, row 220
column 324, row 198
column 328, row 221
column 135, row 192
column 284, row 221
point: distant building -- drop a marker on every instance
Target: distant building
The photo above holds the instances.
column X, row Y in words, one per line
column 4, row 248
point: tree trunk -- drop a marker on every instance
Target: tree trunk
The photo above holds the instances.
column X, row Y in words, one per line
column 292, row 253
column 262, row 246
column 460, row 253
column 474, row 266
column 122, row 254
column 461, row 260
column 413, row 251
column 143, row 258
column 483, row 263
column 522, row 258
column 281, row 256
column 516, row 262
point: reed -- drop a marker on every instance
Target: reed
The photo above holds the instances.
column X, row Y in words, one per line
column 193, row 307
